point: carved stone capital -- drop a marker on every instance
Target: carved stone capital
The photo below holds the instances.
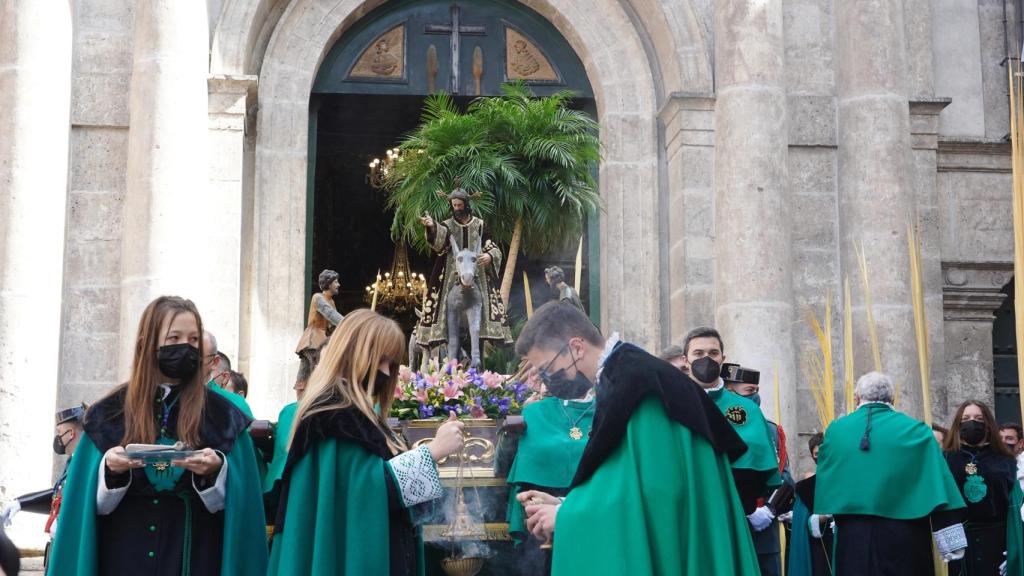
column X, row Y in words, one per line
column 924, row 122
column 973, row 291
column 230, row 99
column 689, row 120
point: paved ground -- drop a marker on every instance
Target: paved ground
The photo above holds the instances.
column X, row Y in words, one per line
column 32, row 566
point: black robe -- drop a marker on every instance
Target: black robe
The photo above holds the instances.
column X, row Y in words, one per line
column 821, row 548
column 986, row 518
column 145, row 532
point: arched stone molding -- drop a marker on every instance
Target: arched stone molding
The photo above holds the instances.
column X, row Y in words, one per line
column 676, row 41
column 612, row 51
column 242, row 34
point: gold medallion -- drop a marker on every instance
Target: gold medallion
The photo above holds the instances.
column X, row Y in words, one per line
column 575, row 433
column 971, row 468
column 161, row 466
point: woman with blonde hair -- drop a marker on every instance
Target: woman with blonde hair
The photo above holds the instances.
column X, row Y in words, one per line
column 349, row 480
column 195, row 510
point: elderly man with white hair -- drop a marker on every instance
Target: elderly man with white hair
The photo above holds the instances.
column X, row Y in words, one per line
column 885, row 481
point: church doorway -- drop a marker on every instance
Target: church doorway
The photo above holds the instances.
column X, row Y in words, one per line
column 369, row 92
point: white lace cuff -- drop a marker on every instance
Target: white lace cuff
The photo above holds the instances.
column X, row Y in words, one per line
column 950, row 539
column 416, row 477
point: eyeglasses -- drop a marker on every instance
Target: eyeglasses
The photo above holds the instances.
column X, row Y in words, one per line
column 543, row 373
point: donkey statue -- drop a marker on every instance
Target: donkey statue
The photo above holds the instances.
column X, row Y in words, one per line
column 464, row 301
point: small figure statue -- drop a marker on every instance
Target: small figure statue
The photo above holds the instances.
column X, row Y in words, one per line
column 323, row 317
column 467, row 235
column 555, row 278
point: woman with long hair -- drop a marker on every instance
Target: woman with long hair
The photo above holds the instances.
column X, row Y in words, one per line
column 349, row 480
column 198, row 512
column 985, row 471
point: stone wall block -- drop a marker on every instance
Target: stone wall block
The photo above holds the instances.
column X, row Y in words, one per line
column 812, row 120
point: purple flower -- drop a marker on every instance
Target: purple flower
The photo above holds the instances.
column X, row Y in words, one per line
column 503, row 406
column 426, row 411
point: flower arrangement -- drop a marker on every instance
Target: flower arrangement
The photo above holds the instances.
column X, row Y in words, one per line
column 444, row 388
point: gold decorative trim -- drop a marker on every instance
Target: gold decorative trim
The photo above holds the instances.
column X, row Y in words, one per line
column 384, row 58
column 524, row 60
column 496, row 532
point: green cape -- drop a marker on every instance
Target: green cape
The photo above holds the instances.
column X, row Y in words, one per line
column 336, row 521
column 236, row 399
column 282, row 433
column 547, row 456
column 663, row 502
column 1015, row 533
column 902, row 476
column 749, row 422
column 799, row 541
column 244, row 552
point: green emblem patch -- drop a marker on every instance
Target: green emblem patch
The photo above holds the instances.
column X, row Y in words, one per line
column 975, row 489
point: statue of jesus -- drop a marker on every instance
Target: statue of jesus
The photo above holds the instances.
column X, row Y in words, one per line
column 466, row 231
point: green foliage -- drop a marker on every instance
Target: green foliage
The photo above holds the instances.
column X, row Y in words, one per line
column 532, row 158
column 503, row 359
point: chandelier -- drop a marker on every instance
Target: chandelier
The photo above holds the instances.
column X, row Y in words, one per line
column 400, row 290
column 380, row 168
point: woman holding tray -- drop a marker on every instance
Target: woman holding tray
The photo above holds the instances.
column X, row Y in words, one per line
column 197, row 508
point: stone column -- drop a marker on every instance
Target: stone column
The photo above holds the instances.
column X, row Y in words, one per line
column 875, row 198
column 229, row 100
column 688, row 121
column 971, row 293
column 753, row 278
column 35, row 104
column 168, row 214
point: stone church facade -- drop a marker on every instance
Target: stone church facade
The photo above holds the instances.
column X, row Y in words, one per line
column 750, row 148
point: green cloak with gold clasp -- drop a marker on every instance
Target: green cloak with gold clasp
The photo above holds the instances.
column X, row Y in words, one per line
column 547, row 455
column 653, row 493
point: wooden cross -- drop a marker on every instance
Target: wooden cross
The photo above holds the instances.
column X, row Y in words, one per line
column 456, row 31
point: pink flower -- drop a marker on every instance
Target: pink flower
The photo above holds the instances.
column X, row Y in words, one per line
column 433, row 379
column 421, row 396
column 400, row 393
column 404, row 374
column 451, row 391
column 477, row 412
column 492, row 380
column 459, row 380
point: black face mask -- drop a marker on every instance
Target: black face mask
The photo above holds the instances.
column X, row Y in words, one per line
column 973, row 431
column 567, row 388
column 179, row 361
column 705, row 369
column 59, row 447
column 380, row 381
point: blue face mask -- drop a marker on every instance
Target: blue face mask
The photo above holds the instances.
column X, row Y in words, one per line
column 755, row 398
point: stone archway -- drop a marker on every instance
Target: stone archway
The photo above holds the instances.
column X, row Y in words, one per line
column 617, row 64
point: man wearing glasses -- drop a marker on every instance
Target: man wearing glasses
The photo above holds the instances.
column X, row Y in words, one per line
column 654, row 483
